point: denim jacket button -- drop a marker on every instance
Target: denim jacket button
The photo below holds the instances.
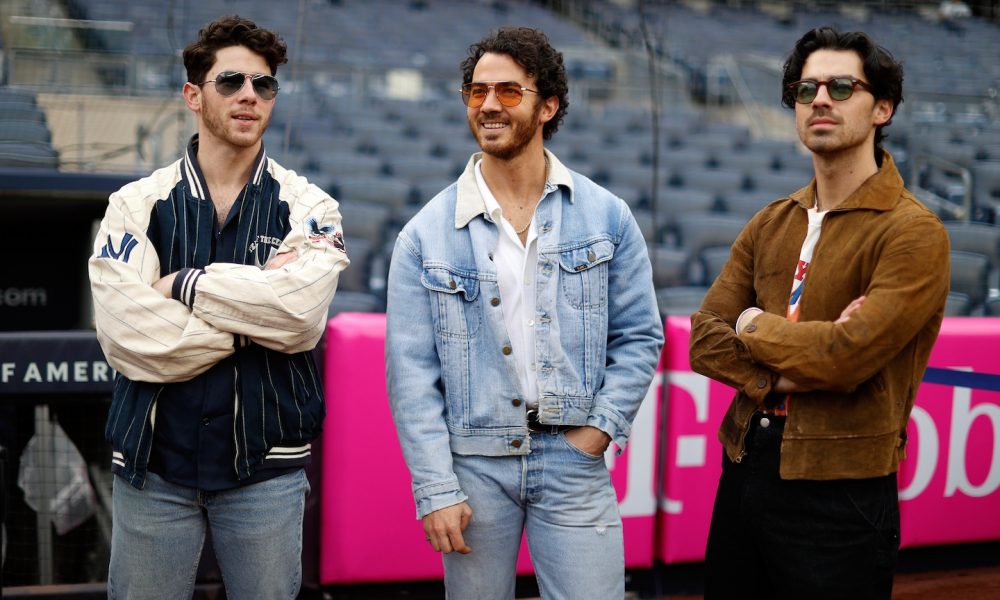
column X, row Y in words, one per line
column 591, row 256
column 452, row 284
column 495, row 301
column 506, row 350
column 515, row 443
column 516, row 402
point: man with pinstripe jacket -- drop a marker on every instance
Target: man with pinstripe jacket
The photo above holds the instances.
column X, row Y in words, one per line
column 211, row 281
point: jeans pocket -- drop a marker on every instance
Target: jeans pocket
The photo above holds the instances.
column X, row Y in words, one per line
column 575, row 450
column 876, row 501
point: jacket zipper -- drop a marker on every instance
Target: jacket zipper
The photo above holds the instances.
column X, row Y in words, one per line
column 743, row 441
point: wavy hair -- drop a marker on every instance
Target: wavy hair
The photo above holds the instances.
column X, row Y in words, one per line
column 199, row 55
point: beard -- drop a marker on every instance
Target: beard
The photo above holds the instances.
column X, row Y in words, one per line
column 221, row 126
column 522, row 131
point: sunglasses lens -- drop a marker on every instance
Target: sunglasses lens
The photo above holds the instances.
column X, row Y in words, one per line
column 509, row 94
column 474, row 94
column 840, row 89
column 265, row 86
column 805, row 92
column 228, row 83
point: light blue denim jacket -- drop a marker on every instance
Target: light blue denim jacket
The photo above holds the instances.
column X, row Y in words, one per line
column 449, row 364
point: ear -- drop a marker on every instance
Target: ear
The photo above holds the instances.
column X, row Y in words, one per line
column 192, row 96
column 882, row 111
column 549, row 108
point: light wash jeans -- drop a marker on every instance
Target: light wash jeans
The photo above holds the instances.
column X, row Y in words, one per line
column 564, row 498
column 158, row 533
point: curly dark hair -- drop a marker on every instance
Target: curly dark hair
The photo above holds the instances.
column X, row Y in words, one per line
column 529, row 48
column 199, row 55
column 883, row 72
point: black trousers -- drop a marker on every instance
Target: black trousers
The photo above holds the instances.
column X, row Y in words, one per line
column 775, row 538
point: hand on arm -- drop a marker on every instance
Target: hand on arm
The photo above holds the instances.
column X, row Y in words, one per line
column 444, row 528
column 784, row 385
column 281, row 260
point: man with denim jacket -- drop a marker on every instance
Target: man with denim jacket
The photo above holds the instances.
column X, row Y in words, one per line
column 522, row 335
column 823, row 320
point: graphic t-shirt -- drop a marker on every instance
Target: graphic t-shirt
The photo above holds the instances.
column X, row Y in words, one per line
column 799, row 281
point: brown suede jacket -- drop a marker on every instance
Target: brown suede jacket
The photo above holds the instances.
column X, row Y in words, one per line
column 881, row 243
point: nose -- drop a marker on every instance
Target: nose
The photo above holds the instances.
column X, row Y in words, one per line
column 492, row 102
column 822, row 97
column 246, row 92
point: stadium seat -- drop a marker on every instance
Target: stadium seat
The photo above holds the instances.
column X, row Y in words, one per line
column 993, row 307
column 718, row 181
column 24, row 131
column 745, row 204
column 958, row 305
column 712, row 260
column 969, row 275
column 355, row 277
column 981, row 238
column 670, row 266
column 681, row 301
column 384, row 189
column 414, row 168
column 365, row 219
column 26, row 154
column 698, row 232
column 986, row 185
column 350, row 301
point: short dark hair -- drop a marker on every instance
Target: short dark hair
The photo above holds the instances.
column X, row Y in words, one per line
column 529, row 48
column 883, row 72
column 199, row 55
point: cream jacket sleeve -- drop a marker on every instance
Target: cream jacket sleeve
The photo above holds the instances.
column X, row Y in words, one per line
column 145, row 336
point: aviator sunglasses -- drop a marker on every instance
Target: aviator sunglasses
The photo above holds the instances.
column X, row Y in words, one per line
column 839, row 88
column 228, row 83
column 509, row 93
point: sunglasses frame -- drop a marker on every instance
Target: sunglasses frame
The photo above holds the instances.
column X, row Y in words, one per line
column 466, row 92
column 253, row 77
column 855, row 83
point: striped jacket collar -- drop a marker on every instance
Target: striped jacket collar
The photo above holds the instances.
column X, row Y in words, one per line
column 192, row 176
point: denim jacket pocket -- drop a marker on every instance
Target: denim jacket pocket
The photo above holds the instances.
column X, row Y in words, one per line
column 453, row 296
column 585, row 273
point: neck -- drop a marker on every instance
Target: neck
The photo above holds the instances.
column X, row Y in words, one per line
column 516, row 183
column 225, row 166
column 839, row 175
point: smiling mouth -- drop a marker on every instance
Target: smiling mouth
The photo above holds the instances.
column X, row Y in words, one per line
column 494, row 126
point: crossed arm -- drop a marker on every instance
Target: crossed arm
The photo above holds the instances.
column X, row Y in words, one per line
column 147, row 336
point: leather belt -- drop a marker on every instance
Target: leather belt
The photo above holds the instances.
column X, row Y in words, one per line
column 535, row 425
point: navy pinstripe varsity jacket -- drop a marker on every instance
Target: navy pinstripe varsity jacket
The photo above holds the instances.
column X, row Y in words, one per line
column 267, row 320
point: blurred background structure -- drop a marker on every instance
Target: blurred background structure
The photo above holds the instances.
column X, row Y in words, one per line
column 674, row 106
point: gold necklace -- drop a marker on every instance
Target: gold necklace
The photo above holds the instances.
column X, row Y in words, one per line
column 523, row 229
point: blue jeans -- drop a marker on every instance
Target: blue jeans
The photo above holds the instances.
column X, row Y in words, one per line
column 780, row 539
column 564, row 499
column 158, row 533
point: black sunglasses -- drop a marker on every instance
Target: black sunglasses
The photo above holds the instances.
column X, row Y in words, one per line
column 228, row 83
column 839, row 88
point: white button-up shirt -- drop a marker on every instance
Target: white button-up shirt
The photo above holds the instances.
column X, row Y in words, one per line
column 515, row 263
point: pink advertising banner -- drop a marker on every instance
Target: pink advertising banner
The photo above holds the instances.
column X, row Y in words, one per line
column 948, row 483
column 369, row 531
